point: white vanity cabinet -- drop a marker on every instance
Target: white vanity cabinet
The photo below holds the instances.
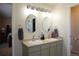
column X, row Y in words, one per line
column 56, row 48
column 53, row 48
column 59, row 48
column 44, row 50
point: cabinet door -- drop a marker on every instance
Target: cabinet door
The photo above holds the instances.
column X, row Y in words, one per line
column 56, row 48
column 45, row 50
column 59, row 48
column 34, row 53
column 25, row 50
column 31, row 51
column 34, row 49
column 52, row 50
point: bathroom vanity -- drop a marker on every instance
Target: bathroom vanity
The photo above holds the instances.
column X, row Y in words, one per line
column 47, row 47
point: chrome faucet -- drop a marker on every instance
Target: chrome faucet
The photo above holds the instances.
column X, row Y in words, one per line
column 33, row 37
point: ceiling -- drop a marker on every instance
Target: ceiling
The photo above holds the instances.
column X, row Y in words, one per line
column 5, row 10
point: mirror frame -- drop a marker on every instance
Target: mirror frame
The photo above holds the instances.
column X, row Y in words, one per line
column 30, row 18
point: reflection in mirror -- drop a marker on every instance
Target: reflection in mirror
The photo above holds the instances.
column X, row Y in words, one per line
column 30, row 23
column 46, row 24
column 33, row 25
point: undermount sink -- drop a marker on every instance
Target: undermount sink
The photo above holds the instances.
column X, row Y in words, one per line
column 35, row 42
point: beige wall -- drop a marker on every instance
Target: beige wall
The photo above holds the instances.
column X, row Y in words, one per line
column 61, row 20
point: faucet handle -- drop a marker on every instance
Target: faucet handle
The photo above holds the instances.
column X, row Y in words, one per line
column 33, row 36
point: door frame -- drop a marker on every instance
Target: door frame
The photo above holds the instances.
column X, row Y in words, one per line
column 70, row 26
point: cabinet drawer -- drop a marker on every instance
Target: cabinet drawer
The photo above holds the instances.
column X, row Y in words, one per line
column 59, row 42
column 34, row 49
column 44, row 46
column 53, row 44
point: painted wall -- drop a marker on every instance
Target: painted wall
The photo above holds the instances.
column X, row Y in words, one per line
column 60, row 19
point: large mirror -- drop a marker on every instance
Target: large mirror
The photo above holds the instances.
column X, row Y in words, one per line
column 30, row 23
column 46, row 24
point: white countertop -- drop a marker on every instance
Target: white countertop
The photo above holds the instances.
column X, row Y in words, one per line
column 31, row 43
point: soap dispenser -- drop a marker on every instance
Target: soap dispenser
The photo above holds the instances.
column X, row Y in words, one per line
column 49, row 33
column 56, row 32
column 20, row 33
column 42, row 37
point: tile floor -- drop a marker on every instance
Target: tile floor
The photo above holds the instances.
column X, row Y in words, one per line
column 5, row 50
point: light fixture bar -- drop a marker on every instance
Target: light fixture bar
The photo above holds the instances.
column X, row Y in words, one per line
column 38, row 8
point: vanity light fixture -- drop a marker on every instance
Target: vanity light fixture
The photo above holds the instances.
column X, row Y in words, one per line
column 28, row 6
column 37, row 8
